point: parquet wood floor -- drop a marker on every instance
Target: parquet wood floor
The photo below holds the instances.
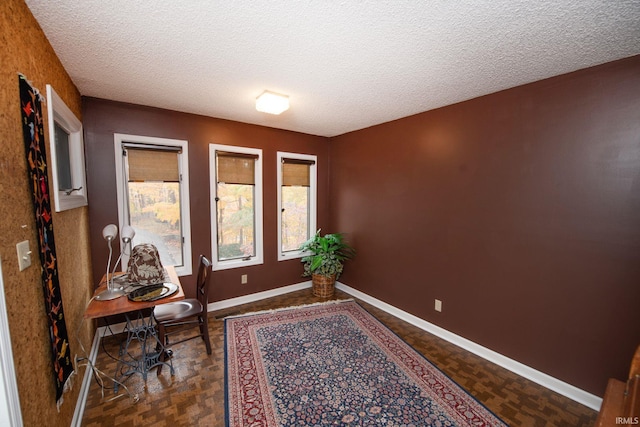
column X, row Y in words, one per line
column 194, row 396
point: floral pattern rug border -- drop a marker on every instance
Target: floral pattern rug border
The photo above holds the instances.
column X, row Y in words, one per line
column 335, row 364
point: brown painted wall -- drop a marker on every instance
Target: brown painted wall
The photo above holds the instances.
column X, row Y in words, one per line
column 104, row 118
column 519, row 210
column 25, row 49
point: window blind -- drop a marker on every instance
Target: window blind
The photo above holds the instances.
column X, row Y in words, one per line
column 236, row 168
column 153, row 165
column 296, row 172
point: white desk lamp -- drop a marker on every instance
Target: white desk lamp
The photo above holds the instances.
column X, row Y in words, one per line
column 127, row 236
column 109, row 233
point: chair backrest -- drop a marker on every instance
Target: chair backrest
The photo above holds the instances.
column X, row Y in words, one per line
column 202, row 284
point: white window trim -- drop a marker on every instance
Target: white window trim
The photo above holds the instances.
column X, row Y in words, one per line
column 258, row 238
column 58, row 112
column 313, row 201
column 183, row 164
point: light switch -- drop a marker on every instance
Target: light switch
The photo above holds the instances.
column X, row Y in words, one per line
column 24, row 255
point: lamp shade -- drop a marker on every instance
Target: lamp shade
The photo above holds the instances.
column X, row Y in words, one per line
column 127, row 233
column 110, row 232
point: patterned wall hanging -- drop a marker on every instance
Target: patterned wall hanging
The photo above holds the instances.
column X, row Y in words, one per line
column 33, row 132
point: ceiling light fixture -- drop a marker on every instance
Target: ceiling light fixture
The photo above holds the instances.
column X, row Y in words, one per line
column 272, row 103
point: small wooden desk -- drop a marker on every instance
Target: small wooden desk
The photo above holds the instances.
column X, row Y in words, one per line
column 138, row 329
column 123, row 305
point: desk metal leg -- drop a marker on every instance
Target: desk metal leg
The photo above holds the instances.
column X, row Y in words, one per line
column 133, row 360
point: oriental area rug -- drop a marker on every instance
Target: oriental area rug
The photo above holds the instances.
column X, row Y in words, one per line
column 335, row 364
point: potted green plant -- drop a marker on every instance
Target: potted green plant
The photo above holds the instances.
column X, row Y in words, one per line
column 324, row 262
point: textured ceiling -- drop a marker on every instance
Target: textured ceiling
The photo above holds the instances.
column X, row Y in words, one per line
column 346, row 65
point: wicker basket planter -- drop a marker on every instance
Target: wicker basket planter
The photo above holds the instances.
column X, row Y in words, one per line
column 323, row 286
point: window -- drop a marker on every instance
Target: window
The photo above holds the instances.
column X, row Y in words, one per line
column 297, row 194
column 153, row 195
column 67, row 154
column 236, row 206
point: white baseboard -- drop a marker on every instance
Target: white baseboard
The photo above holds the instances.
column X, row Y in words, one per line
column 534, row 375
column 561, row 387
column 88, row 373
column 86, row 382
column 232, row 302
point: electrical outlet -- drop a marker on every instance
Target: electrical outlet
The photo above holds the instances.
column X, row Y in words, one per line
column 438, row 305
column 243, row 279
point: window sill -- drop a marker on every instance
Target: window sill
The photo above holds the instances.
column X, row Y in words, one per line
column 292, row 255
column 235, row 263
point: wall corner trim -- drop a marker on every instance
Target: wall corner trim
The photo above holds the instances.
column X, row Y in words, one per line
column 574, row 393
column 9, row 396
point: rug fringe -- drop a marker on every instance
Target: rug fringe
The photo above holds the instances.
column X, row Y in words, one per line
column 293, row 307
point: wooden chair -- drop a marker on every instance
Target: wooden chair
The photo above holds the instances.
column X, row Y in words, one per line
column 621, row 403
column 178, row 316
